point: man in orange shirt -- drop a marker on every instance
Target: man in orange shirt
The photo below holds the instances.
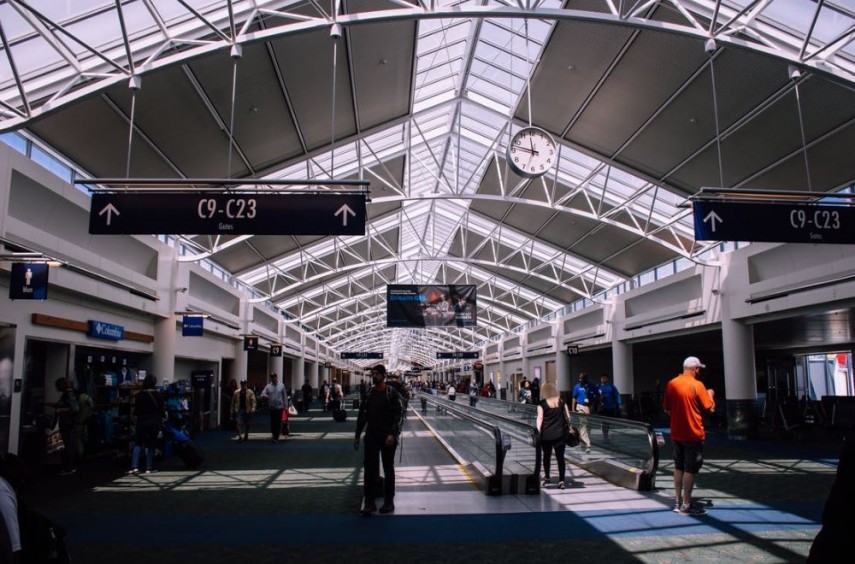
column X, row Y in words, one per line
column 685, row 400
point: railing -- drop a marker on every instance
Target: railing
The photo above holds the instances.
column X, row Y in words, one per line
column 621, row 451
column 483, row 442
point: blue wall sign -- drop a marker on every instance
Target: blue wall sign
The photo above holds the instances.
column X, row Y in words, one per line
column 192, row 326
column 102, row 330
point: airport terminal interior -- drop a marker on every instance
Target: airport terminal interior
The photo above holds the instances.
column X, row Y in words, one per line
column 482, row 195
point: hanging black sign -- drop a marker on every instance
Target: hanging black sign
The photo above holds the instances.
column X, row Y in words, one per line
column 250, row 343
column 29, row 281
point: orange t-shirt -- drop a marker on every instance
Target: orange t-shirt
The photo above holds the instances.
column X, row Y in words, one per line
column 685, row 396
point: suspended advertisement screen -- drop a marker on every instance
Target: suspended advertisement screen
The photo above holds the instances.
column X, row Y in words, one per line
column 431, row 306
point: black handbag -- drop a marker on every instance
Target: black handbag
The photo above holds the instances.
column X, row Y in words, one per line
column 571, row 438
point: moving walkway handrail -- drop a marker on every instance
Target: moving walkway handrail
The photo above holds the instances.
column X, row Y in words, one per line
column 648, row 472
column 515, row 426
column 502, row 442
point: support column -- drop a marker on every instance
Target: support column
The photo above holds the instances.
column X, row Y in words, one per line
column 314, row 371
column 316, row 377
column 277, row 364
column 163, row 352
column 623, row 378
column 298, row 372
column 740, row 380
column 563, row 365
column 239, row 366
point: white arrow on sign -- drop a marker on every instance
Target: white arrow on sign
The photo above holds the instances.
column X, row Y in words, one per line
column 712, row 217
column 343, row 211
column 109, row 209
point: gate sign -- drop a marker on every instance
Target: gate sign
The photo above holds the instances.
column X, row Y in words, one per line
column 361, row 355
column 784, row 222
column 572, row 350
column 250, row 343
column 276, row 350
column 468, row 355
column 134, row 213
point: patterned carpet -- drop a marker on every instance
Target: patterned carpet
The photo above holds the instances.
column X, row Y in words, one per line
column 298, row 501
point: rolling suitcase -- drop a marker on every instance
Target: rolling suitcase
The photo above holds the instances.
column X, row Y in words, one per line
column 339, row 415
column 190, row 454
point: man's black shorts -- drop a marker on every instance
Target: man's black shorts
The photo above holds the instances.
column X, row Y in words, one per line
column 688, row 456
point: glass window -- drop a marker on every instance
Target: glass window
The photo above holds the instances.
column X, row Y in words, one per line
column 49, row 162
column 16, row 141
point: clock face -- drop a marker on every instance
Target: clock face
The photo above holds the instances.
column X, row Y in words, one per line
column 532, row 152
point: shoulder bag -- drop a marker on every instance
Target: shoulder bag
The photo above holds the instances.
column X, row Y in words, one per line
column 572, row 436
column 53, row 439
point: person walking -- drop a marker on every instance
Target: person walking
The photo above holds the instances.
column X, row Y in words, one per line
column 307, row 397
column 552, row 424
column 609, row 402
column 382, row 413
column 67, row 408
column 149, row 409
column 685, row 400
column 277, row 400
column 582, row 398
column 473, row 392
column 242, row 407
column 451, row 391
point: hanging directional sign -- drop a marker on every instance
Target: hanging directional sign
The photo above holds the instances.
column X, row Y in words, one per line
column 458, row 354
column 224, row 213
column 773, row 222
column 361, row 355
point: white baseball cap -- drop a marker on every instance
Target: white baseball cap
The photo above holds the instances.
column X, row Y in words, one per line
column 692, row 362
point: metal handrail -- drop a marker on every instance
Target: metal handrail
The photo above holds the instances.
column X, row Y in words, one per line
column 527, row 432
column 647, row 475
column 502, row 442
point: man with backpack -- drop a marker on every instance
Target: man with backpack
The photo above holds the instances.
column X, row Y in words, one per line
column 382, row 414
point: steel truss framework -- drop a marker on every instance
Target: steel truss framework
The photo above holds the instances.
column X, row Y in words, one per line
column 462, row 108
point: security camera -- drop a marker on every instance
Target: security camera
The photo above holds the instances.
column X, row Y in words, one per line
column 710, row 46
column 335, row 31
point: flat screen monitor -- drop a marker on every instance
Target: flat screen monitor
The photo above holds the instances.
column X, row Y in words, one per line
column 431, row 305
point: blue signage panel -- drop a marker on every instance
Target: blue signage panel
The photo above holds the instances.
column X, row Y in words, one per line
column 192, row 326
column 361, row 355
column 227, row 214
column 773, row 222
column 102, row 330
column 458, row 354
column 29, row 281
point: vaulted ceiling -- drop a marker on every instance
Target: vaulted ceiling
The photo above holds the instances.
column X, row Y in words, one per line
column 649, row 101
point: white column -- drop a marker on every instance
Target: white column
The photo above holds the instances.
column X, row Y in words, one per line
column 163, row 351
column 314, row 370
column 622, row 367
column 740, row 380
column 316, row 376
column 563, row 366
column 298, row 371
column 276, row 364
column 240, row 364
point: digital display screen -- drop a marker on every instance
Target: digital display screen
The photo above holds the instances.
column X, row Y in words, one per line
column 431, row 306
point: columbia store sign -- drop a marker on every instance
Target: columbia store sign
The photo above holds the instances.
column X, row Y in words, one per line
column 102, row 330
